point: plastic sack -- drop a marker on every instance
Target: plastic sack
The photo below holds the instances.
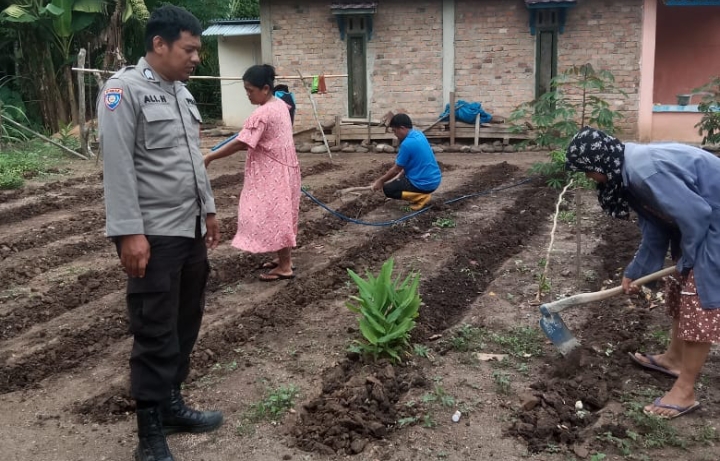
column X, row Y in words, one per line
column 466, row 112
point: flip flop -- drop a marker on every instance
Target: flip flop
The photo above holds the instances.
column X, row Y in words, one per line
column 268, row 277
column 651, row 364
column 680, row 410
column 270, row 265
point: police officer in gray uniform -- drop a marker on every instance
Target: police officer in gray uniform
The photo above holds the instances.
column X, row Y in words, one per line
column 160, row 212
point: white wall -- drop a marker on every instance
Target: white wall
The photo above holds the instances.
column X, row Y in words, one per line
column 236, row 54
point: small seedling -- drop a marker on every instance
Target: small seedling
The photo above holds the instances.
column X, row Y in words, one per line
column 407, row 421
column 444, row 223
column 421, row 350
column 468, row 273
column 502, row 382
column 305, row 188
column 662, row 337
column 567, row 217
column 522, row 342
column 275, row 403
column 467, row 338
column 598, row 457
column 428, row 421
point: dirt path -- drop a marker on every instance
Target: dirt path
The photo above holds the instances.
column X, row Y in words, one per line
column 64, row 342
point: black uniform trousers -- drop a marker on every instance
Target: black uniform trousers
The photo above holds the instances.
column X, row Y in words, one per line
column 165, row 309
column 394, row 189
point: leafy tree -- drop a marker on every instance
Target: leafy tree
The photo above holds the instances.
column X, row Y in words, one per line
column 577, row 99
column 709, row 125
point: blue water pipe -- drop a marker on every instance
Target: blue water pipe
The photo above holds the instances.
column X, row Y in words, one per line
column 416, row 213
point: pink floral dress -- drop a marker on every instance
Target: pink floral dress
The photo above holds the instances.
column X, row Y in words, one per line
column 270, row 199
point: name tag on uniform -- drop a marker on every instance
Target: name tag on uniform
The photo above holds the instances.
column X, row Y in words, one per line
column 113, row 97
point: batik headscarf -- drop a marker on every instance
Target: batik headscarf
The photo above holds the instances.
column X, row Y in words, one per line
column 592, row 150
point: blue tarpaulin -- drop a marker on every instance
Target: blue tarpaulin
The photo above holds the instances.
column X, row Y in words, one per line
column 466, row 112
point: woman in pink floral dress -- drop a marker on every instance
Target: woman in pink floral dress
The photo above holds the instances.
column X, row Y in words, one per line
column 270, row 199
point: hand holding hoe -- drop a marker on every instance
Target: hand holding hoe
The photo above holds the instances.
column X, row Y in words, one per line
column 554, row 327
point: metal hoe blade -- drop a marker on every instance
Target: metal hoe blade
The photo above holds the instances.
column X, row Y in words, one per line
column 557, row 332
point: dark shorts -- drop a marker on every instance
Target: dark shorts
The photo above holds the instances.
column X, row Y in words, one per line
column 394, row 189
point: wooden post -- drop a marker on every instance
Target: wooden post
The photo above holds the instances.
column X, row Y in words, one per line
column 338, row 129
column 452, row 118
column 369, row 140
column 315, row 114
column 81, row 104
column 477, row 129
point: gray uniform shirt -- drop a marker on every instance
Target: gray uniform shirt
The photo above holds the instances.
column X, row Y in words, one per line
column 154, row 175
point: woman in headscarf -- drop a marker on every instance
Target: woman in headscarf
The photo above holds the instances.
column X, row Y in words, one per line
column 674, row 190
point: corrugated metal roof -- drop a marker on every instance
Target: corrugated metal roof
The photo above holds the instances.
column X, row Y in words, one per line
column 550, row 2
column 233, row 28
column 353, row 5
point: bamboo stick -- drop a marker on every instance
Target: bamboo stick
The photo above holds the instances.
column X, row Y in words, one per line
column 207, row 77
column 45, row 138
column 81, row 104
column 315, row 113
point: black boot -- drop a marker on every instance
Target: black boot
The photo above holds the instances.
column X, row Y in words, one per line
column 152, row 445
column 177, row 417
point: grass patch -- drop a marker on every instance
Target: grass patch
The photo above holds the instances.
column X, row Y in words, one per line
column 522, row 342
column 468, row 338
column 24, row 161
column 275, row 404
column 653, row 432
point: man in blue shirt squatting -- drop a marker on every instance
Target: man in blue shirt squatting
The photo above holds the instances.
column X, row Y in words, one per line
column 416, row 173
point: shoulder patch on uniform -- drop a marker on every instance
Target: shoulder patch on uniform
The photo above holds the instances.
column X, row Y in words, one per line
column 113, row 97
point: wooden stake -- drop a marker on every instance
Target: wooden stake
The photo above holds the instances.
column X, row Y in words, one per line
column 369, row 127
column 452, row 118
column 338, row 130
column 81, row 104
column 317, row 119
column 45, row 138
column 477, row 129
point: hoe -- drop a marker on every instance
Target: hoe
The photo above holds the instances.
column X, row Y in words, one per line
column 554, row 327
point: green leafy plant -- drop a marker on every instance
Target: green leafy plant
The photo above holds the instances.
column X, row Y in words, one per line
column 521, row 342
column 467, row 338
column 275, row 403
column 709, row 125
column 387, row 309
column 502, row 382
column 444, row 223
column 12, row 109
column 421, row 351
column 576, row 99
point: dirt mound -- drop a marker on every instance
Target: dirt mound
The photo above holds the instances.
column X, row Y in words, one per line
column 110, row 406
column 593, row 373
column 358, row 404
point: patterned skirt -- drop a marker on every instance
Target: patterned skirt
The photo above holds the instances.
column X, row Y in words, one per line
column 683, row 304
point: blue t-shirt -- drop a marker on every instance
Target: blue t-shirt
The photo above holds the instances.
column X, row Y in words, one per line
column 418, row 160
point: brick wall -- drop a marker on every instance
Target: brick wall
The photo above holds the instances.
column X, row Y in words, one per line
column 494, row 53
column 608, row 34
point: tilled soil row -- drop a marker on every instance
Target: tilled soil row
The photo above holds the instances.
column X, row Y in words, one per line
column 282, row 310
column 587, row 375
column 62, row 200
column 37, row 308
column 93, row 285
column 90, row 220
column 7, row 196
column 370, row 395
column 18, row 270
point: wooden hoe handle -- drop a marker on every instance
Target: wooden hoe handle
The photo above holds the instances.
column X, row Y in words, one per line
column 584, row 298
